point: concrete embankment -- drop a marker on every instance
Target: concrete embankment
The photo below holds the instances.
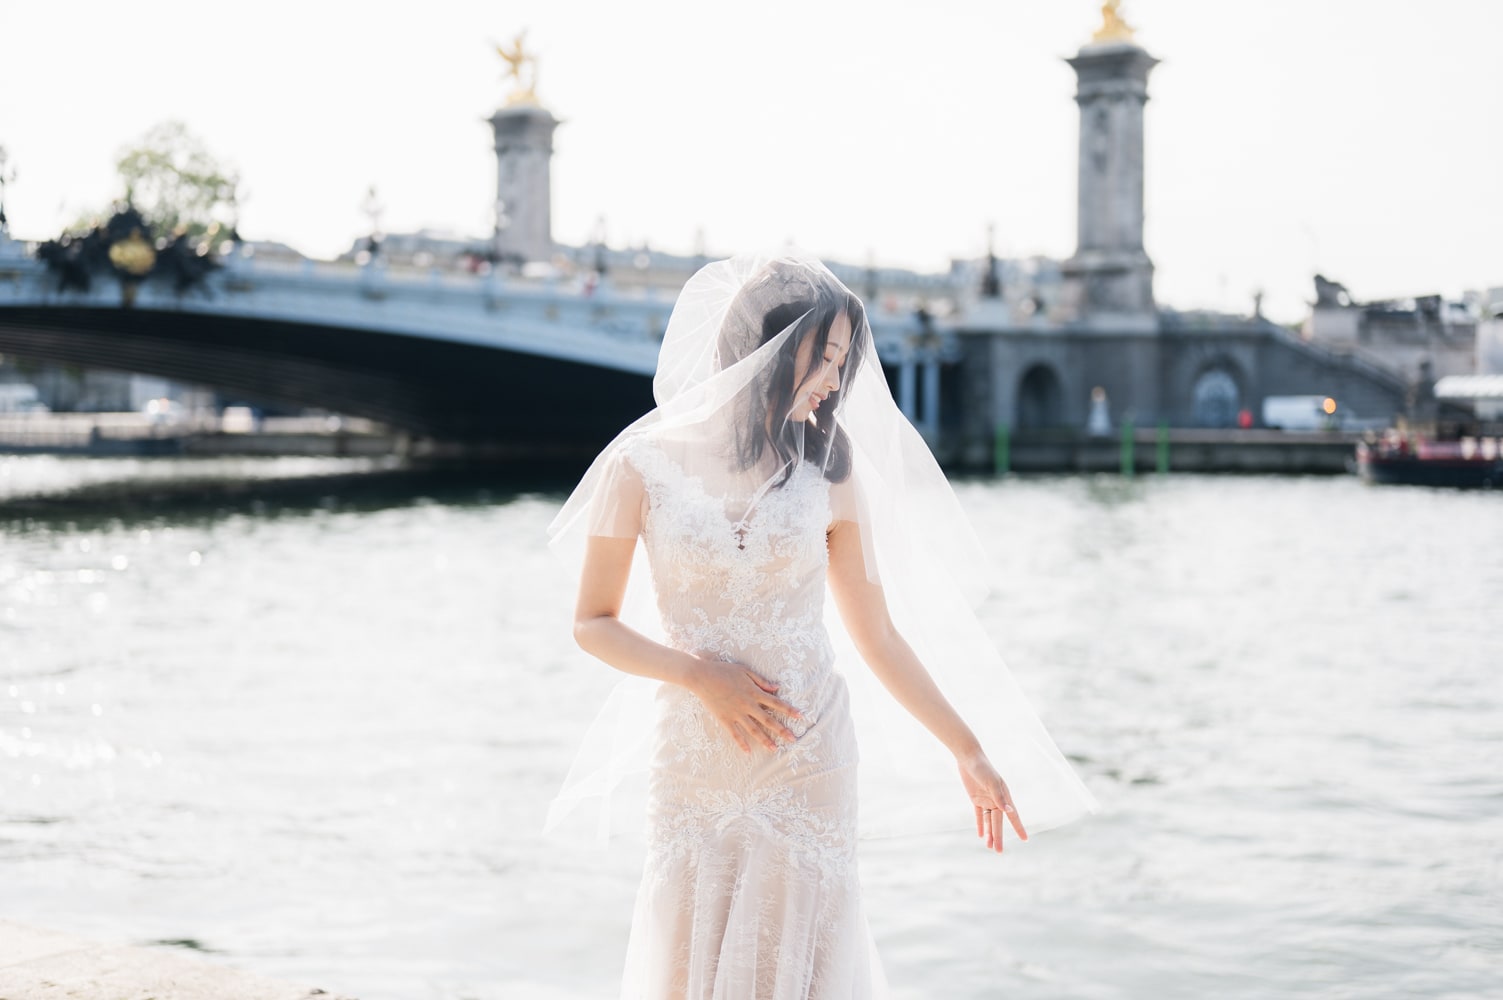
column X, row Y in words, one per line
column 1145, row 449
column 46, row 965
column 138, row 435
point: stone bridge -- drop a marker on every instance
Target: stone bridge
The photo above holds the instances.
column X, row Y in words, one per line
column 519, row 365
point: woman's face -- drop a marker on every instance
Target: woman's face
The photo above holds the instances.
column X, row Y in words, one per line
column 824, row 372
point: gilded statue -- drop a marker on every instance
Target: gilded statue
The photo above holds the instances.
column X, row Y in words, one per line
column 1113, row 27
column 518, row 60
column 133, row 254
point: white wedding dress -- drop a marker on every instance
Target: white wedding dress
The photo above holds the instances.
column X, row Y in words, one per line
column 750, row 889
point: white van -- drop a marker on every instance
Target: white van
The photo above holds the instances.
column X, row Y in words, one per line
column 1301, row 413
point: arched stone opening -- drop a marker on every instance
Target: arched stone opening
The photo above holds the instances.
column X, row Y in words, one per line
column 1215, row 397
column 1041, row 400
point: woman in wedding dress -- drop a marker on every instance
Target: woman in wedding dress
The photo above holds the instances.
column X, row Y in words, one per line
column 756, row 485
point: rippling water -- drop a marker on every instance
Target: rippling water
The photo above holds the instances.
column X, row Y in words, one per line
column 312, row 730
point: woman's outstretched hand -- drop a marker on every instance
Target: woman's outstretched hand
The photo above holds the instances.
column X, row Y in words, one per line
column 988, row 793
column 746, row 704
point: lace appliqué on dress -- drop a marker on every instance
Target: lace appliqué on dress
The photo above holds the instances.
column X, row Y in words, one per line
column 750, row 886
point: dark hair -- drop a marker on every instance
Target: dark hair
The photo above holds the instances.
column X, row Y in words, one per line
column 791, row 294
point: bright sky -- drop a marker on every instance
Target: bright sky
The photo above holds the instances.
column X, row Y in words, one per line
column 1360, row 138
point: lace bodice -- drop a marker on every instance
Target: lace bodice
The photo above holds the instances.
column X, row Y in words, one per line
column 750, row 888
column 744, row 585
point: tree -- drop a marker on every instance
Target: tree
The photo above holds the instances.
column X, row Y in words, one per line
column 173, row 179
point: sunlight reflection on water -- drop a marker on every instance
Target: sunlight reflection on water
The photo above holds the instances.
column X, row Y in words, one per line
column 318, row 740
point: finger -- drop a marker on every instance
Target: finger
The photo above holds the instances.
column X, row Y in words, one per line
column 1017, row 821
column 780, row 706
column 980, row 823
column 773, row 723
column 738, row 737
column 760, row 730
column 779, row 731
column 991, row 830
column 771, row 687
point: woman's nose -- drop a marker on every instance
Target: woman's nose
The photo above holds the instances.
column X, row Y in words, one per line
column 832, row 377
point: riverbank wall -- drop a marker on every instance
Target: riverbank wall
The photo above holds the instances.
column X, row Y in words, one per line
column 1151, row 449
column 1144, row 449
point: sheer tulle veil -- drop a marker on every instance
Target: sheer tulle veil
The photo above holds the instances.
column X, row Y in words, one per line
column 747, row 339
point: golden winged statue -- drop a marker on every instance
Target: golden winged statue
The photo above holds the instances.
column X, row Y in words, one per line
column 518, row 59
column 1113, row 27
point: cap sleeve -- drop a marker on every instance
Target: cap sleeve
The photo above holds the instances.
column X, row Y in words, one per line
column 619, row 502
column 848, row 502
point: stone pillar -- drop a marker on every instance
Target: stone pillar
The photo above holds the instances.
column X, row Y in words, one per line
column 929, row 421
column 524, row 189
column 1110, row 274
column 908, row 388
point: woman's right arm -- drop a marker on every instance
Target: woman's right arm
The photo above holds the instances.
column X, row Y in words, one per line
column 743, row 701
column 597, row 618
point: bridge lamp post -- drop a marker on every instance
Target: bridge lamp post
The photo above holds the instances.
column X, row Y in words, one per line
column 7, row 174
column 372, row 208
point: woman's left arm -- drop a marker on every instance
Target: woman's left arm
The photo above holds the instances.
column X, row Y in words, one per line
column 863, row 609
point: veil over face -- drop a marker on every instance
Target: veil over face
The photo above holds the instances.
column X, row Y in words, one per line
column 809, row 322
column 766, row 364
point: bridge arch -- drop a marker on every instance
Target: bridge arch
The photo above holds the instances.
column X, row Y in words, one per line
column 1217, row 393
column 1041, row 398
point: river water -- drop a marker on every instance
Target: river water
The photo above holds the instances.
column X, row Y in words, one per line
column 310, row 729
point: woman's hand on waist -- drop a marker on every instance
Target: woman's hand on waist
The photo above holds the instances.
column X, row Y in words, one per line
column 743, row 701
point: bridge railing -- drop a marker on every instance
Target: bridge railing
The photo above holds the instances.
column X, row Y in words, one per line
column 601, row 323
column 1370, row 370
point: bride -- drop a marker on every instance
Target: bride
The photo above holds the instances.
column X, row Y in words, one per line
column 776, row 467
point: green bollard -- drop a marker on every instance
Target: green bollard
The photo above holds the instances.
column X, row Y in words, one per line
column 1127, row 448
column 1163, row 456
column 1001, row 451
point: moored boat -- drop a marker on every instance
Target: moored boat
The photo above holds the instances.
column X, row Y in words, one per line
column 1467, row 463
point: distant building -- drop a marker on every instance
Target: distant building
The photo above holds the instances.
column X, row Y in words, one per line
column 1396, row 334
column 270, row 250
column 424, row 249
column 1490, row 332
